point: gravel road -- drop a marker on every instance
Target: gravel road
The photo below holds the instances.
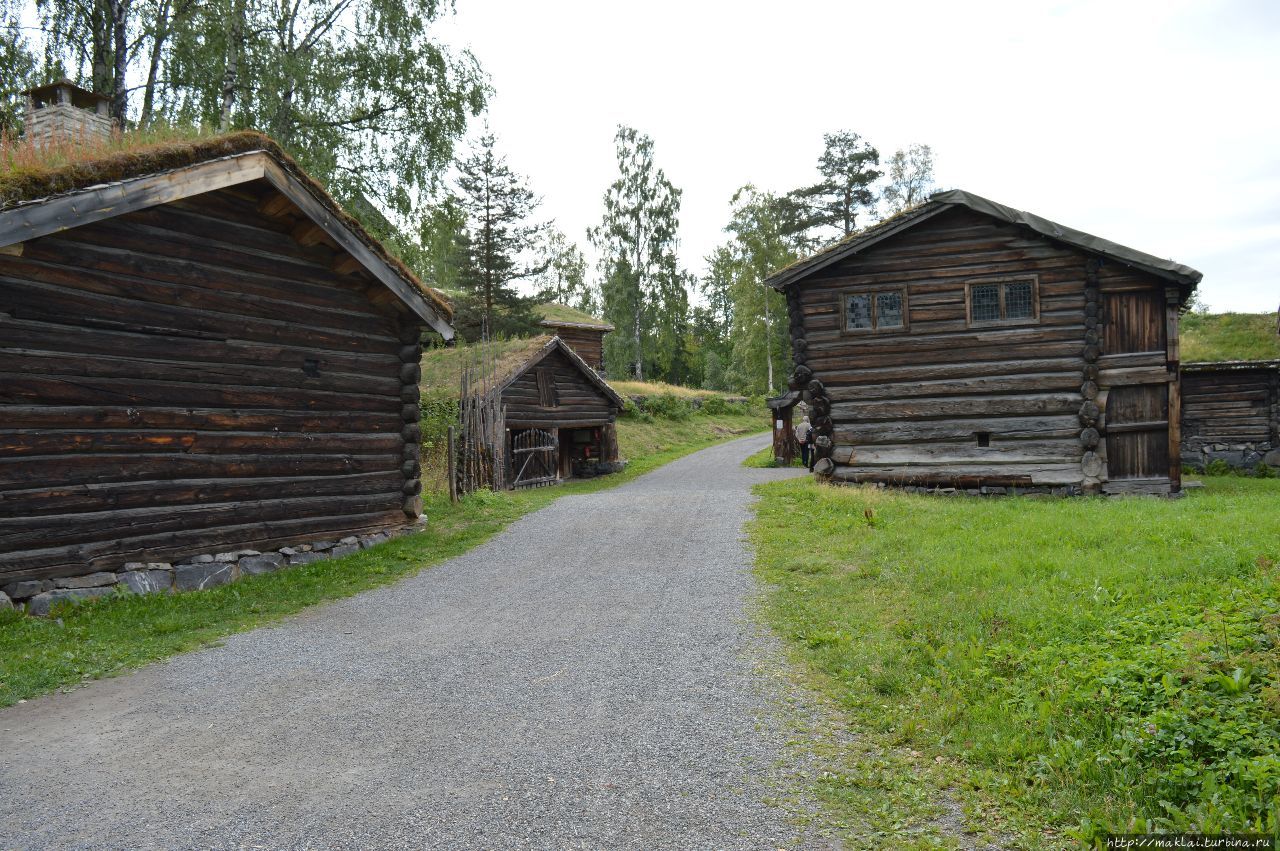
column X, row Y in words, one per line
column 587, row 679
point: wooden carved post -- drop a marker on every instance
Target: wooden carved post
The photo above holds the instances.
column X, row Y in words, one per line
column 1173, row 301
column 411, row 416
column 1092, row 464
column 784, row 438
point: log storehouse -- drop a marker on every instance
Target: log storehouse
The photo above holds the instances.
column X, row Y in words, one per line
column 965, row 344
column 199, row 351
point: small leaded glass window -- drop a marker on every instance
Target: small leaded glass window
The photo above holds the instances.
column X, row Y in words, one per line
column 986, row 302
column 1017, row 300
column 857, row 312
column 1006, row 300
column 889, row 310
column 875, row 310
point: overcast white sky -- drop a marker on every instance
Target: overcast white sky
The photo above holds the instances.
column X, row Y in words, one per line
column 1153, row 124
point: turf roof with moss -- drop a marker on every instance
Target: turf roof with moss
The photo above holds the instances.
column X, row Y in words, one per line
column 1218, row 337
column 29, row 175
column 561, row 315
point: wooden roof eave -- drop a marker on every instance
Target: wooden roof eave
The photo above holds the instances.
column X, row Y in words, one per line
column 35, row 219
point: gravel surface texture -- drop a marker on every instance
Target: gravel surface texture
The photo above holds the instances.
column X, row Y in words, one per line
column 590, row 678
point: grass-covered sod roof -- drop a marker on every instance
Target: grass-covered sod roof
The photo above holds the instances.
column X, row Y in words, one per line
column 561, row 314
column 30, row 174
column 1229, row 337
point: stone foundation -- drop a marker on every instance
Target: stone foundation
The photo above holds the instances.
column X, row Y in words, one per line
column 940, row 490
column 193, row 573
column 1239, row 456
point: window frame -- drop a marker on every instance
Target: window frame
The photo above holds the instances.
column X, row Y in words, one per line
column 874, row 290
column 1001, row 282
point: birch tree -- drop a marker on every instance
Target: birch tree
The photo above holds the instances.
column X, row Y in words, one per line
column 637, row 241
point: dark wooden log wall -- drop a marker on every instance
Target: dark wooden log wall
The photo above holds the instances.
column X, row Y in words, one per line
column 578, row 402
column 915, row 406
column 190, row 377
column 1231, row 406
column 587, row 344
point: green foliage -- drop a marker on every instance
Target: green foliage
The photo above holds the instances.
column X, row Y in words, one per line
column 498, row 206
column 439, row 407
column 910, row 178
column 1085, row 664
column 357, row 91
column 767, row 233
column 1228, row 336
column 644, row 292
column 564, row 278
column 18, row 64
column 849, row 169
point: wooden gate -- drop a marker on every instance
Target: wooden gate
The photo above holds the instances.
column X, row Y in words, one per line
column 535, row 458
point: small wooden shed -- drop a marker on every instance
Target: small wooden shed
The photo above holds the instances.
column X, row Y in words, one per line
column 199, row 350
column 581, row 331
column 561, row 416
column 1231, row 413
column 967, row 344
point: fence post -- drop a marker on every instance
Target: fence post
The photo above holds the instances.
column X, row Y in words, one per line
column 453, row 469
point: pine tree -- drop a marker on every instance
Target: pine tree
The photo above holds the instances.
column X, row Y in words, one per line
column 499, row 232
column 848, row 166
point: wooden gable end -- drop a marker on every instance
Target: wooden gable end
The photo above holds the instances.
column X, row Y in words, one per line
column 192, row 376
column 556, row 379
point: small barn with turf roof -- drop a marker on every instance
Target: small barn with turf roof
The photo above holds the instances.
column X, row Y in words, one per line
column 581, row 331
column 199, row 351
column 964, row 344
column 1231, row 391
column 560, row 414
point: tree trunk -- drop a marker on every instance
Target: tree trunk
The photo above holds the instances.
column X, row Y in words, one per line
column 120, row 59
column 231, row 76
column 158, row 38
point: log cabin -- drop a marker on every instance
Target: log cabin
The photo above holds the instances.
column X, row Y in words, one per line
column 199, row 350
column 581, row 331
column 966, row 344
column 1231, row 414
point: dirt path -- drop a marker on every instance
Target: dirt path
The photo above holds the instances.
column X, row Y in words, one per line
column 584, row 680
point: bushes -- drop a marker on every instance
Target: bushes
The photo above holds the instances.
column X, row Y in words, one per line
column 668, row 406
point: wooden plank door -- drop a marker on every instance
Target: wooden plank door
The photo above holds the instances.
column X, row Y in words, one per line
column 1138, row 432
column 1135, row 341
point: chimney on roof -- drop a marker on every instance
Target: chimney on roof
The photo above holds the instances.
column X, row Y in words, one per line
column 63, row 111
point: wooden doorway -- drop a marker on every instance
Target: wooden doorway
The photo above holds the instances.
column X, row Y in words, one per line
column 1139, row 389
column 1138, row 432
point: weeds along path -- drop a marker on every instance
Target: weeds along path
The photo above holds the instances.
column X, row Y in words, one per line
column 586, row 679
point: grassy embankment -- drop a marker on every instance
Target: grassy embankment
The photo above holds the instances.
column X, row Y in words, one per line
column 1229, row 336
column 110, row 636
column 1054, row 668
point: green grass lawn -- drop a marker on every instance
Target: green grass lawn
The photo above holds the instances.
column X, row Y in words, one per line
column 1051, row 668
column 109, row 636
column 1229, row 336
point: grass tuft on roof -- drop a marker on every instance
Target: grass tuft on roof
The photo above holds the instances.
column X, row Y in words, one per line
column 30, row 172
column 442, row 367
column 1213, row 337
column 552, row 312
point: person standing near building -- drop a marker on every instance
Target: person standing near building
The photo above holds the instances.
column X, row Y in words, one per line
column 804, row 434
